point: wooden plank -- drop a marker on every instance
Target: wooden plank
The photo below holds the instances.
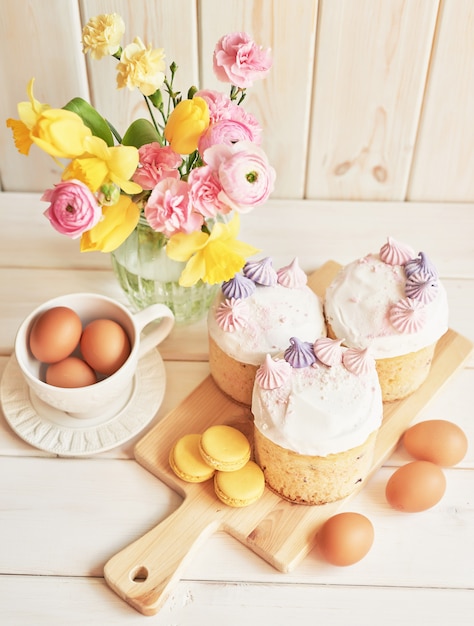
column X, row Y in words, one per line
column 313, row 230
column 372, row 60
column 276, row 530
column 32, row 45
column 205, row 603
column 281, row 102
column 444, row 159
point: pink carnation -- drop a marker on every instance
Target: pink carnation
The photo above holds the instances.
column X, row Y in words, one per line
column 155, row 163
column 243, row 170
column 204, row 191
column 73, row 209
column 169, row 210
column 239, row 61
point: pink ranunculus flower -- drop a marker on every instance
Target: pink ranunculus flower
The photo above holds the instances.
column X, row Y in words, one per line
column 155, row 163
column 73, row 209
column 243, row 170
column 204, row 192
column 169, row 209
column 239, row 61
column 219, row 104
column 225, row 131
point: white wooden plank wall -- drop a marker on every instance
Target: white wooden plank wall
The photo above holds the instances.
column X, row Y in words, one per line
column 367, row 99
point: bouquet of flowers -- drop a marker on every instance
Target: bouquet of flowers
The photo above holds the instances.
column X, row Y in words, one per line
column 190, row 170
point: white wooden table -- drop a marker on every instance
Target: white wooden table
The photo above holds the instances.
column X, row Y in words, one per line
column 61, row 519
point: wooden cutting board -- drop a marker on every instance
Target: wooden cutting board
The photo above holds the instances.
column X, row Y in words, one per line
column 144, row 573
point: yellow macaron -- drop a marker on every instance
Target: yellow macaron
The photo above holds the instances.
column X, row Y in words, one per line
column 240, row 488
column 186, row 460
column 224, row 448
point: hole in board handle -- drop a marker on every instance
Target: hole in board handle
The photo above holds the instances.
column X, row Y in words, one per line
column 139, row 575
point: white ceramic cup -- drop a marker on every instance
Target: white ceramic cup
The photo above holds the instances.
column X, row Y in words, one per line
column 145, row 329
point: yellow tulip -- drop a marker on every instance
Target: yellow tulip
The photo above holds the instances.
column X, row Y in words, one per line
column 186, row 124
column 211, row 258
column 117, row 223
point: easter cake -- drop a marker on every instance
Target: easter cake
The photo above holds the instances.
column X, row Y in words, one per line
column 394, row 304
column 255, row 314
column 317, row 408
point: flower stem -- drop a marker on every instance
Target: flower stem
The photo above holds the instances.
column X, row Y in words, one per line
column 114, row 132
column 150, row 111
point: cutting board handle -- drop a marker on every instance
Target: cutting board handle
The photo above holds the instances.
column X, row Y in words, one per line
column 144, row 572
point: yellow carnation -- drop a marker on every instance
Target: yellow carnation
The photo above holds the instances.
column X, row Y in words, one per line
column 102, row 34
column 141, row 67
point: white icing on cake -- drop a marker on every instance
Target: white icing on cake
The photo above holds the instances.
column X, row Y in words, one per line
column 319, row 410
column 358, row 302
column 274, row 315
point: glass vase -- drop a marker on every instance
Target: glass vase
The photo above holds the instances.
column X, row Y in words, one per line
column 147, row 275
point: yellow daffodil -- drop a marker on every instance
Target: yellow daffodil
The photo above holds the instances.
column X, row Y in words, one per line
column 100, row 165
column 211, row 258
column 29, row 113
column 117, row 223
column 186, row 123
column 60, row 133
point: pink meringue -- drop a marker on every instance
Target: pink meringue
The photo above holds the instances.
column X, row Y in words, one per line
column 407, row 316
column 358, row 361
column 328, row 351
column 395, row 253
column 273, row 373
column 232, row 314
column 292, row 276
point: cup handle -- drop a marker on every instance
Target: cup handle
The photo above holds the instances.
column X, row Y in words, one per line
column 161, row 329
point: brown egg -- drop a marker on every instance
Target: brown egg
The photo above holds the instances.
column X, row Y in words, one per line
column 70, row 372
column 105, row 346
column 345, row 538
column 415, row 487
column 55, row 334
column 438, row 441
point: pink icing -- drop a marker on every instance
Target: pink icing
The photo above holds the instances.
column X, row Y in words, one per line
column 232, row 314
column 328, row 351
column 407, row 315
column 238, row 287
column 261, row 272
column 292, row 276
column 421, row 286
column 395, row 253
column 272, row 373
column 358, row 361
column 300, row 353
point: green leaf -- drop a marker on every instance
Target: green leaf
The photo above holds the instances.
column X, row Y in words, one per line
column 156, row 99
column 141, row 132
column 91, row 118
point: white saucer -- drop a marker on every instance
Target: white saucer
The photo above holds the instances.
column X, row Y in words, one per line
column 52, row 430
